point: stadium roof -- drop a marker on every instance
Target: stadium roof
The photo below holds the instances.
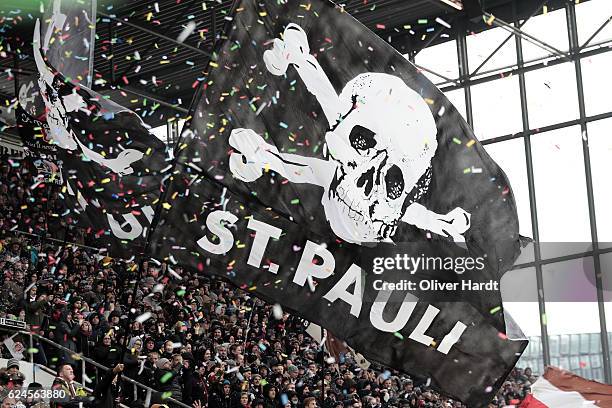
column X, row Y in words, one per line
column 138, row 57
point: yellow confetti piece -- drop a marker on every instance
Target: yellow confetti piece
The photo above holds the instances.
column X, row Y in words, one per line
column 470, row 143
column 106, row 180
column 167, row 206
column 213, row 64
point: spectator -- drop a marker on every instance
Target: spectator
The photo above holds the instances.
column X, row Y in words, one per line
column 194, row 338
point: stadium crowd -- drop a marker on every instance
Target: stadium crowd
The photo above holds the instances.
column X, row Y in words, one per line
column 189, row 337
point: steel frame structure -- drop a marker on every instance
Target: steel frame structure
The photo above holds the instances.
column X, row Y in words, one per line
column 554, row 57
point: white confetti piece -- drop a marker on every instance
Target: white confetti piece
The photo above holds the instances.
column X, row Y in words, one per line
column 186, row 31
column 277, row 311
column 144, row 317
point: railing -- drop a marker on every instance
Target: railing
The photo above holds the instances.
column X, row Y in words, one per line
column 49, row 238
column 137, row 386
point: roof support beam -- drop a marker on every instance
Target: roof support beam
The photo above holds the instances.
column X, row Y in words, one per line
column 527, row 37
column 156, row 34
column 499, row 47
column 587, row 42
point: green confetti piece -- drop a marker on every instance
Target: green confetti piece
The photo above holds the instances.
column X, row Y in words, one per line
column 33, row 350
column 456, row 140
column 181, row 292
column 495, row 310
column 165, row 378
column 467, row 170
column 398, row 335
column 295, row 201
column 166, row 395
column 544, row 320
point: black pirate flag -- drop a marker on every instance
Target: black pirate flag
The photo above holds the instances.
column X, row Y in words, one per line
column 315, row 143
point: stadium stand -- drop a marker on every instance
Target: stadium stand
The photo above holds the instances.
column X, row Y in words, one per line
column 194, row 341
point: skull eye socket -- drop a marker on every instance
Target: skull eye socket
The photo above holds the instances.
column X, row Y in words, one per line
column 394, row 180
column 362, row 138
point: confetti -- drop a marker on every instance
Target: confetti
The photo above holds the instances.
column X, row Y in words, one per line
column 187, row 31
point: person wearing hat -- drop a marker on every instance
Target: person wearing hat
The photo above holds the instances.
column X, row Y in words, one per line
column 167, row 380
column 293, row 373
column 221, row 396
column 16, row 381
column 12, row 366
column 407, row 388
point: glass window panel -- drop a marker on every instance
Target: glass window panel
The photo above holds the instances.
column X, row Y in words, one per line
column 574, row 344
column 574, row 363
column 560, row 188
column 606, row 281
column 564, row 363
column 597, row 84
column 606, row 278
column 596, row 361
column 440, row 58
column 519, row 288
column 565, row 343
column 481, row 45
column 600, row 149
column 570, row 281
column 550, row 28
column 552, row 96
column 526, row 315
column 584, row 344
column 510, row 156
column 553, row 342
column 598, row 375
column 457, row 98
column 572, row 317
column 590, row 15
column 497, row 108
column 532, row 361
column 596, row 343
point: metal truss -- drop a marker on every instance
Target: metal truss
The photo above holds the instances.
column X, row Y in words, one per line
column 587, row 42
column 525, row 36
column 575, row 55
column 156, row 34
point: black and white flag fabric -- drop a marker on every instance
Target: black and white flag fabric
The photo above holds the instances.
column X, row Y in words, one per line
column 68, row 35
column 315, row 142
column 34, row 135
column 111, row 165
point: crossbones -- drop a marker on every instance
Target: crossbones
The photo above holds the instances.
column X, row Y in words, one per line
column 380, row 142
